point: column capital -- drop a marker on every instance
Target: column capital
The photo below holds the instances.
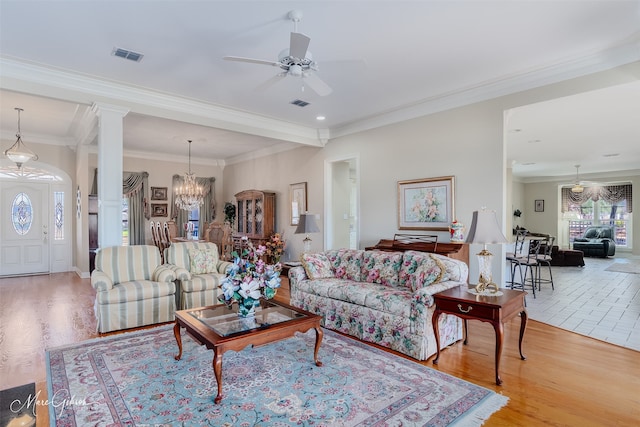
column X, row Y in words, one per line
column 100, row 107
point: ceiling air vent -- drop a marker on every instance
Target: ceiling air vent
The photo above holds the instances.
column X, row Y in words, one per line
column 127, row 54
column 299, row 103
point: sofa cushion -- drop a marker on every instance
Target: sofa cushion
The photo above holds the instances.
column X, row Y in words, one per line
column 381, row 267
column 316, row 265
column 203, row 261
column 346, row 263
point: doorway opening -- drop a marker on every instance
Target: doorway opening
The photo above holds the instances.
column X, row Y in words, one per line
column 342, row 203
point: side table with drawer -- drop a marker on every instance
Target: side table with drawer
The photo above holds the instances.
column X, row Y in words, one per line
column 493, row 309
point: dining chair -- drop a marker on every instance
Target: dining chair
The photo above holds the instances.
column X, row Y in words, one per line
column 527, row 266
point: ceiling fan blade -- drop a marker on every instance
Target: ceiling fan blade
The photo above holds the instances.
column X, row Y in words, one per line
column 273, row 80
column 251, row 60
column 298, row 45
column 317, row 85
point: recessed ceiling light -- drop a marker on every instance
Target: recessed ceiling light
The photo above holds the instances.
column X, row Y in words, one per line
column 611, row 155
column 533, row 141
column 320, row 117
column 516, row 130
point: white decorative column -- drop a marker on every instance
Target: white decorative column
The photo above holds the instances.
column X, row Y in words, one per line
column 110, row 151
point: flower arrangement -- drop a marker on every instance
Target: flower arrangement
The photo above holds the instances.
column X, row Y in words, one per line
column 249, row 279
column 275, row 248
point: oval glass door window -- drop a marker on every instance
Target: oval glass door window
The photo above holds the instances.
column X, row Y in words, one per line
column 22, row 213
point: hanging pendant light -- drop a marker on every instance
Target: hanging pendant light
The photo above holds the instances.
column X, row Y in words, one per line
column 577, row 188
column 189, row 195
column 19, row 153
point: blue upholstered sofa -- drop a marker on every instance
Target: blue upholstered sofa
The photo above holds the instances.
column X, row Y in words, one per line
column 380, row 297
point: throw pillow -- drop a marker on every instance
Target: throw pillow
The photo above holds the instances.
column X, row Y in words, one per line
column 429, row 271
column 317, row 266
column 203, row 261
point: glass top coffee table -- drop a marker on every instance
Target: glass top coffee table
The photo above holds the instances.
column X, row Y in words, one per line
column 219, row 328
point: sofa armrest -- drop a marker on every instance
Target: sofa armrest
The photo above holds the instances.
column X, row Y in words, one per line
column 296, row 274
column 223, row 266
column 180, row 273
column 100, row 281
column 425, row 295
column 163, row 273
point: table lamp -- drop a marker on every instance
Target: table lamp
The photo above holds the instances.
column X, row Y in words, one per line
column 306, row 225
column 485, row 230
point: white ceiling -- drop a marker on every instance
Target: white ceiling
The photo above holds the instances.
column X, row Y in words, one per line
column 385, row 60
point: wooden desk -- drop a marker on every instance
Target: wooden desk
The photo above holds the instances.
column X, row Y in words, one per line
column 495, row 310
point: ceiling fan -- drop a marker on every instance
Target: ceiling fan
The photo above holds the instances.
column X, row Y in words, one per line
column 296, row 61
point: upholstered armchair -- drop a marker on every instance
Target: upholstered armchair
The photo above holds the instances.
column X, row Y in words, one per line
column 133, row 288
column 199, row 270
column 597, row 241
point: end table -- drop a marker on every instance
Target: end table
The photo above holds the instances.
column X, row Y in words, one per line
column 493, row 309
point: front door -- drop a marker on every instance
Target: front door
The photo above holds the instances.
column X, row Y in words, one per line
column 24, row 237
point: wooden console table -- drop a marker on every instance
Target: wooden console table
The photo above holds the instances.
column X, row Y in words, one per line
column 496, row 310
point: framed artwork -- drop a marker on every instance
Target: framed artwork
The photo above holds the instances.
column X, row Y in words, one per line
column 159, row 209
column 158, row 193
column 426, row 204
column 297, row 200
column 539, row 206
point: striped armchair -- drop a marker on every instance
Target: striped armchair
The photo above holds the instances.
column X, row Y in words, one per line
column 198, row 270
column 133, row 288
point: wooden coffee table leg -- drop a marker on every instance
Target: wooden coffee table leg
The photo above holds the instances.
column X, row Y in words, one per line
column 176, row 333
column 217, row 370
column 319, row 335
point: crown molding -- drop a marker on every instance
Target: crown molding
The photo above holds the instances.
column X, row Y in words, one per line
column 509, row 84
column 42, row 80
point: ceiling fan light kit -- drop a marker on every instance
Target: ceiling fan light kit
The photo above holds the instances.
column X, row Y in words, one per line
column 296, row 61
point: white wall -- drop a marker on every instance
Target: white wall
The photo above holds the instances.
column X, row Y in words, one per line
column 465, row 142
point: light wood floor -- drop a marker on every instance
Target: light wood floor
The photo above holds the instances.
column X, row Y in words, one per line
column 567, row 379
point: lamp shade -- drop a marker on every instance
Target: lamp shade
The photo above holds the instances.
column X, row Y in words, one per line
column 307, row 224
column 485, row 229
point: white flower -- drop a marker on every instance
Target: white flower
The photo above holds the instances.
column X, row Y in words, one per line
column 250, row 290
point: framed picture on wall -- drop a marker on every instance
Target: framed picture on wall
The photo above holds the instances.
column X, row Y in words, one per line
column 158, row 193
column 539, row 206
column 297, row 201
column 159, row 209
column 426, row 204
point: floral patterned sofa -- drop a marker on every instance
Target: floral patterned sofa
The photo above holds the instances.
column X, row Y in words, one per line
column 380, row 297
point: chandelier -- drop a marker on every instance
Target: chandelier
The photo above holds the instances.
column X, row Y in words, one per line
column 19, row 153
column 189, row 195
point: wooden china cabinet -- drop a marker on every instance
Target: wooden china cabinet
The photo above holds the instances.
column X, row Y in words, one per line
column 256, row 216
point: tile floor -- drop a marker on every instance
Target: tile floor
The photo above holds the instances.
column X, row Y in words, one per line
column 590, row 301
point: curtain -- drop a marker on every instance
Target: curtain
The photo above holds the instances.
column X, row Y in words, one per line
column 610, row 193
column 135, row 188
column 207, row 210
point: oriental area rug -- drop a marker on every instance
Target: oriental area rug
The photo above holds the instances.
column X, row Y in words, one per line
column 133, row 379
